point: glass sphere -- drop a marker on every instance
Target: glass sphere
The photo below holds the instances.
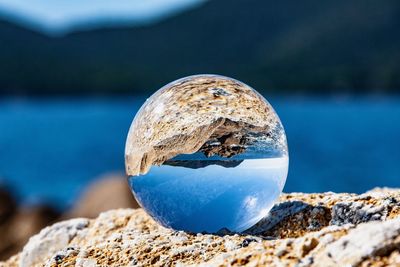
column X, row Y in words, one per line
column 206, row 153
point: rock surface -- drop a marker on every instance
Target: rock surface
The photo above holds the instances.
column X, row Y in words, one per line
column 208, row 113
column 19, row 223
column 324, row 229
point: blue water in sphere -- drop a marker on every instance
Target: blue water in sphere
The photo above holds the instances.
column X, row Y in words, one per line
column 210, row 198
column 206, row 153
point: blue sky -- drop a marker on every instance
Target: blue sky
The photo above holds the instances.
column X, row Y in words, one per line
column 64, row 15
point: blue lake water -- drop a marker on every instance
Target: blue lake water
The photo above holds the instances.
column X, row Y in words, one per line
column 50, row 149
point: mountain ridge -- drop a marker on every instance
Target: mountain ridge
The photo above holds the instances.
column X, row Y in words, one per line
column 284, row 47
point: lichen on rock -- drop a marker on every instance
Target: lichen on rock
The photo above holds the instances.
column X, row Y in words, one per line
column 301, row 230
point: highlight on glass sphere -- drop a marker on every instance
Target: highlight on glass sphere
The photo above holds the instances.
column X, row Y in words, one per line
column 206, row 153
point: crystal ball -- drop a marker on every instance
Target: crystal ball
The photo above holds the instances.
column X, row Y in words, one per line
column 206, row 153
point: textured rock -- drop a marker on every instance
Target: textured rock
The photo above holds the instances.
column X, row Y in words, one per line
column 372, row 239
column 207, row 113
column 50, row 240
column 302, row 230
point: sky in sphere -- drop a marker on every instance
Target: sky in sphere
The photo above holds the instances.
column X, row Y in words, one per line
column 65, row 15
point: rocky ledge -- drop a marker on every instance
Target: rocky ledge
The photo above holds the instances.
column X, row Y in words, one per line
column 324, row 229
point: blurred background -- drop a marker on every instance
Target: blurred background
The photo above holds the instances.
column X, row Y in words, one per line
column 74, row 73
